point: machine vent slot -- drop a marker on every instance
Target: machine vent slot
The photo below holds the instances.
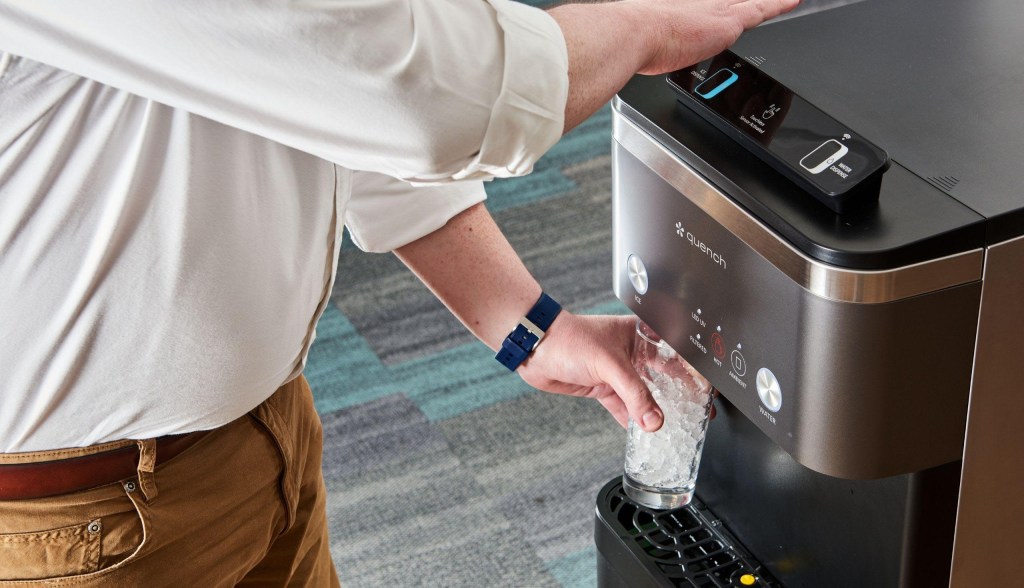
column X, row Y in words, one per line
column 946, row 183
column 756, row 60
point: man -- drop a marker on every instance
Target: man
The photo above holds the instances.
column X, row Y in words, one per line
column 174, row 177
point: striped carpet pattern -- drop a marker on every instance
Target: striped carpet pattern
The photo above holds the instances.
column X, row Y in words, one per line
column 442, row 468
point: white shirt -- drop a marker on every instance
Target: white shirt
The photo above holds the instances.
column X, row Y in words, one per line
column 174, row 177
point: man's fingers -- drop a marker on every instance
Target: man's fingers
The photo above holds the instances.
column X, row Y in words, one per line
column 638, row 400
column 754, row 12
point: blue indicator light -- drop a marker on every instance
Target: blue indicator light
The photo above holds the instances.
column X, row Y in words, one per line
column 715, row 83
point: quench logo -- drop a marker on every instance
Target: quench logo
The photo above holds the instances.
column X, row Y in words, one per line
column 712, row 254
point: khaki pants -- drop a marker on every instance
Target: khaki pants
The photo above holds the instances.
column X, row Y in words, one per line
column 243, row 506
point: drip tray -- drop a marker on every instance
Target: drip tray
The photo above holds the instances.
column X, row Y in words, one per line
column 685, row 547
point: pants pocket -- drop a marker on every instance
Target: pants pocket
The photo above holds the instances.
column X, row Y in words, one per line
column 85, row 536
column 51, row 553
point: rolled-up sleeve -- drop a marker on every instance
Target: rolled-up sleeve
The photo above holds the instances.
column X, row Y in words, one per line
column 428, row 91
column 529, row 114
column 384, row 213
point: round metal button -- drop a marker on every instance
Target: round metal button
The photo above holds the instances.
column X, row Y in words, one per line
column 637, row 272
column 769, row 390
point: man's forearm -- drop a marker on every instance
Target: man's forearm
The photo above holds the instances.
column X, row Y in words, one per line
column 605, row 49
column 470, row 266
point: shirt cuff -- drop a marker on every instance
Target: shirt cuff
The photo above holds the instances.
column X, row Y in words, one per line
column 529, row 115
column 385, row 213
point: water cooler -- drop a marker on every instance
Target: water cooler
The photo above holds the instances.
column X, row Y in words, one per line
column 826, row 221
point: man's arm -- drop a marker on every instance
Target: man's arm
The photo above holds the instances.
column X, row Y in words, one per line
column 470, row 266
column 609, row 43
column 386, row 86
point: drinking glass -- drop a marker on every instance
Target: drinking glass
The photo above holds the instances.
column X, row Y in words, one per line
column 661, row 467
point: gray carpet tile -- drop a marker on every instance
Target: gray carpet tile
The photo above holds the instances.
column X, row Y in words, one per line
column 378, row 439
column 544, row 458
column 556, row 514
column 525, row 431
column 405, row 511
column 441, row 469
column 468, row 544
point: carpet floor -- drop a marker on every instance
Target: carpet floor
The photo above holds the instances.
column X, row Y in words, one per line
column 442, row 468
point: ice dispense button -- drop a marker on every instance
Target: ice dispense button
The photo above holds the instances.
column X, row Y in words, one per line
column 769, row 390
column 637, row 273
column 715, row 83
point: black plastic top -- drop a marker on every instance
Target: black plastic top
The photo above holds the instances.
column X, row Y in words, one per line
column 822, row 155
column 935, row 83
column 913, row 221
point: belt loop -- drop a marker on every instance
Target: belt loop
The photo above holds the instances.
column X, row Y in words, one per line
column 147, row 463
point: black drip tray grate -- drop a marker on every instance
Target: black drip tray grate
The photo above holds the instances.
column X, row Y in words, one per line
column 685, row 547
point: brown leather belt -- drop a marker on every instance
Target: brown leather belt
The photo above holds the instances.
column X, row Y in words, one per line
column 49, row 478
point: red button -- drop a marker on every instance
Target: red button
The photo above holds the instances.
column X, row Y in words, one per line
column 717, row 345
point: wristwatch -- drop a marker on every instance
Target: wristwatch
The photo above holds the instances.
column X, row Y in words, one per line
column 528, row 333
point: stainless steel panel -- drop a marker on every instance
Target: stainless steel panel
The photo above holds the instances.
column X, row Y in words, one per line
column 990, row 517
column 713, row 295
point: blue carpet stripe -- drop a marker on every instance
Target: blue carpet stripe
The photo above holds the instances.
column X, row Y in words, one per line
column 577, row 570
column 588, row 140
column 541, row 184
column 344, row 371
column 592, row 138
column 458, row 380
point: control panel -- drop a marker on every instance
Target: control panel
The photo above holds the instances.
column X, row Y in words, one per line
column 851, row 385
column 709, row 338
column 815, row 151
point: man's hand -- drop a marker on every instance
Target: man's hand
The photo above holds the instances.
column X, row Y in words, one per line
column 608, row 43
column 470, row 267
column 591, row 357
column 688, row 31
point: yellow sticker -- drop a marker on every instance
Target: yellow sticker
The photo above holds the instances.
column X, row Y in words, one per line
column 748, row 580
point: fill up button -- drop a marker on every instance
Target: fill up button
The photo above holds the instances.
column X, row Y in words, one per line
column 739, row 364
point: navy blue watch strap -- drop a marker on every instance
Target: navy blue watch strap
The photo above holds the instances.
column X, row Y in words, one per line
column 544, row 312
column 528, row 333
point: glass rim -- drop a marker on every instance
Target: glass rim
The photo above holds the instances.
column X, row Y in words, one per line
column 659, row 342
